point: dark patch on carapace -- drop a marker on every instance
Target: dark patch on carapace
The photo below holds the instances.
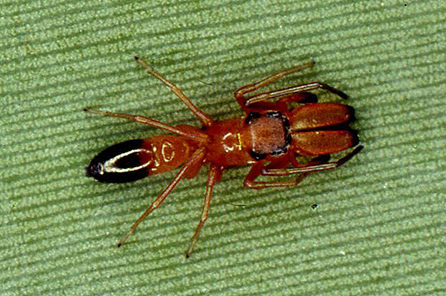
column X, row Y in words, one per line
column 251, row 117
column 257, row 155
column 274, row 114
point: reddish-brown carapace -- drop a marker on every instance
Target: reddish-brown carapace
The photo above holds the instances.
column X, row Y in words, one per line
column 276, row 128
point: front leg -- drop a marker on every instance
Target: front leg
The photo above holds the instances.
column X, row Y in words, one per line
column 258, row 169
column 312, row 166
column 240, row 93
column 278, row 167
column 297, row 94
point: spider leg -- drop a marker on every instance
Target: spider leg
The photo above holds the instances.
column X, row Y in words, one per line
column 240, row 93
column 311, row 167
column 205, row 118
column 190, row 133
column 214, row 175
column 197, row 157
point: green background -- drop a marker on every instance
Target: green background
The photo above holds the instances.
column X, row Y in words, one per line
column 379, row 227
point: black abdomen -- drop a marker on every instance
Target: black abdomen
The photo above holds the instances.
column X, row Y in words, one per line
column 119, row 163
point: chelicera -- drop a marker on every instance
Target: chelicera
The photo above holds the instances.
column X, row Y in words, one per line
column 269, row 137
